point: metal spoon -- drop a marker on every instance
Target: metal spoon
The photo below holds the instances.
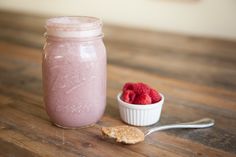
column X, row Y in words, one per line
column 132, row 135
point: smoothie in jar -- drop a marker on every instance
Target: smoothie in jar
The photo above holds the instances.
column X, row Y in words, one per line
column 74, row 71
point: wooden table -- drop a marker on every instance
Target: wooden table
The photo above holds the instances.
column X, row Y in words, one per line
column 196, row 75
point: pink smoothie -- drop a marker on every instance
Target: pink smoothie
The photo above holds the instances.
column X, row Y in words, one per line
column 74, row 71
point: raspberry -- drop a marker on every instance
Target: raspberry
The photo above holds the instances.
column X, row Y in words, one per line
column 143, row 99
column 155, row 96
column 139, row 93
column 128, row 96
column 128, row 86
column 141, row 88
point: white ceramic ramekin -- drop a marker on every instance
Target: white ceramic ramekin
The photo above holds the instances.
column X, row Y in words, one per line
column 140, row 115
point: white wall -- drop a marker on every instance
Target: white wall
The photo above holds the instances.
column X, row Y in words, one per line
column 213, row 18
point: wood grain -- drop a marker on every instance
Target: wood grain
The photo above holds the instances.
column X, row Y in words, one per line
column 196, row 75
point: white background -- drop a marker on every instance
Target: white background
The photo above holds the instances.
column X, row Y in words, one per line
column 210, row 18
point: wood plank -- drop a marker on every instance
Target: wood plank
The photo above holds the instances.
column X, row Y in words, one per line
column 11, row 149
column 191, row 91
column 45, row 132
column 191, row 70
column 196, row 95
column 34, row 23
column 154, row 53
column 172, row 110
column 201, row 64
column 24, row 109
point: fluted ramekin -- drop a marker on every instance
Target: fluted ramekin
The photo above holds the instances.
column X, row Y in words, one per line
column 140, row 115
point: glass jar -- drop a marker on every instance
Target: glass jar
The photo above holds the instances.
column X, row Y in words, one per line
column 74, row 71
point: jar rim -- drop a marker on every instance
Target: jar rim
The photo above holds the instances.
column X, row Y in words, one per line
column 73, row 22
column 74, row 26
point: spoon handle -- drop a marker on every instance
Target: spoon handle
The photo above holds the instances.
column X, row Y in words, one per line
column 202, row 123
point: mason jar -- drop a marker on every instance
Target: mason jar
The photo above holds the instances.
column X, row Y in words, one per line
column 74, row 71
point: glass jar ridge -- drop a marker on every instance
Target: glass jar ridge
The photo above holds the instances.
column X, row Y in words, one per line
column 74, row 27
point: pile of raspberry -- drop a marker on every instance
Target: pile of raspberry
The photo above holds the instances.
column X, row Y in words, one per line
column 139, row 93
